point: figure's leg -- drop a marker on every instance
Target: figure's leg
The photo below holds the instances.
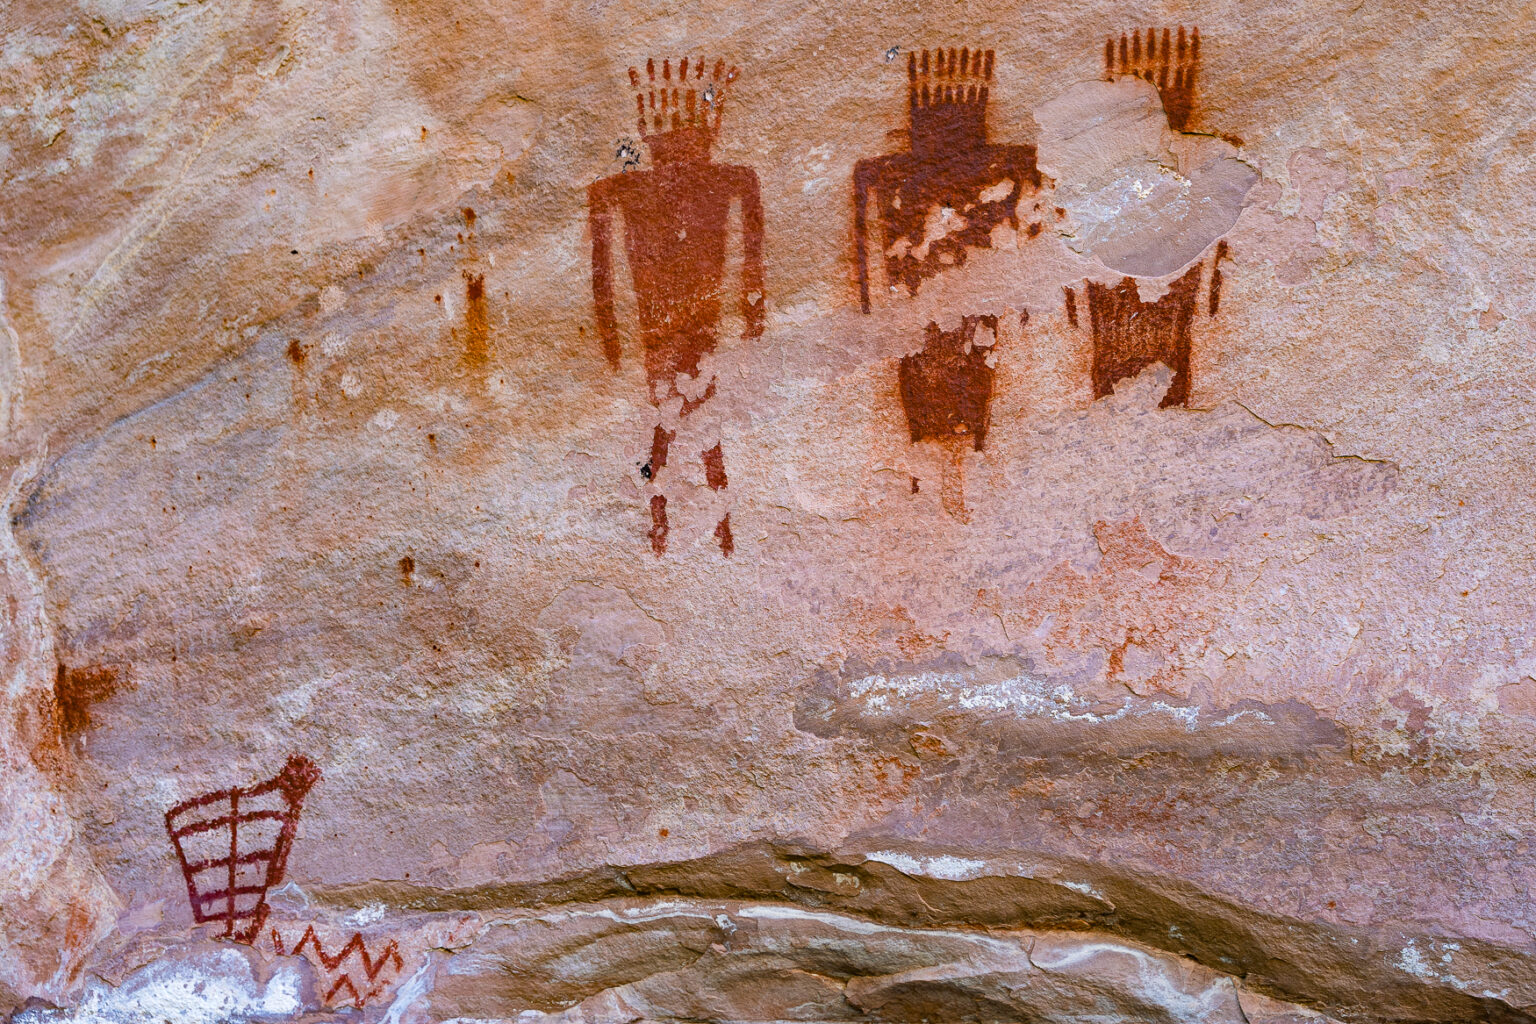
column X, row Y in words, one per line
column 660, row 439
column 723, row 535
column 714, row 468
column 714, row 475
column 660, row 376
column 659, row 524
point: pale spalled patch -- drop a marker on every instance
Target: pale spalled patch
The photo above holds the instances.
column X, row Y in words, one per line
column 212, row 987
column 1142, row 200
column 1434, row 965
column 950, row 868
column 954, row 869
column 1022, row 696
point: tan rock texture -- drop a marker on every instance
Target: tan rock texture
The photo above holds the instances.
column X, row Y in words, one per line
column 974, row 512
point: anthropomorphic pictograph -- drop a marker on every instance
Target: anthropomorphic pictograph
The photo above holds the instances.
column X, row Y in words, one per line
column 946, row 392
column 951, row 189
column 676, row 217
column 1130, row 334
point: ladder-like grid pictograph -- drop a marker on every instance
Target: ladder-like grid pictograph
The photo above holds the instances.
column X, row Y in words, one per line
column 233, row 846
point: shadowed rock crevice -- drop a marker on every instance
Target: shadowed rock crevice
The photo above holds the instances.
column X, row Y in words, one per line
column 556, row 945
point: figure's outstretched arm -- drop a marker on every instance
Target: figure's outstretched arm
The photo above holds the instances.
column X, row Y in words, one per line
column 752, row 297
column 600, row 220
column 862, row 173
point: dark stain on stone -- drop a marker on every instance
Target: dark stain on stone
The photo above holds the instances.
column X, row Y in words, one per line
column 1071, row 298
column 723, row 535
column 469, row 218
column 296, row 352
column 947, row 388
column 477, row 344
column 407, row 566
column 948, row 165
column 76, row 689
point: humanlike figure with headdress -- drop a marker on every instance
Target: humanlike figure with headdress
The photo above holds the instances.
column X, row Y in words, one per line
column 948, row 169
column 676, row 219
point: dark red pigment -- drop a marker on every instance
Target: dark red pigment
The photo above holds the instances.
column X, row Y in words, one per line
column 675, row 220
column 76, row 689
column 658, row 532
column 948, row 163
column 946, row 388
column 372, row 966
column 231, row 886
column 1171, row 65
column 1221, row 253
column 676, row 217
column 1130, row 335
column 477, row 324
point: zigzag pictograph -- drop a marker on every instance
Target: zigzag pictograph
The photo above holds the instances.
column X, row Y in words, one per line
column 373, row 968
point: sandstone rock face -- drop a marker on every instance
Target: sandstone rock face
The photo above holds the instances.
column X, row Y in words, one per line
column 762, row 512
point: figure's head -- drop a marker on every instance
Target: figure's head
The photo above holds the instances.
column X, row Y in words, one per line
column 1172, row 67
column 947, row 99
column 679, row 114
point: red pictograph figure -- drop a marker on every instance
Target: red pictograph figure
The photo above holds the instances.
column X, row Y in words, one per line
column 947, row 193
column 676, row 217
column 1130, row 335
column 946, row 389
column 233, row 846
column 1172, row 65
column 348, row 968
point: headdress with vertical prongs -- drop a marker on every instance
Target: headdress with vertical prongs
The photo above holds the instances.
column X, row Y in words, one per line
column 1170, row 63
column 686, row 99
column 947, row 94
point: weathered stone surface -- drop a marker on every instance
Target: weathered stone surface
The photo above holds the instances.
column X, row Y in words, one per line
column 698, row 961
column 598, row 656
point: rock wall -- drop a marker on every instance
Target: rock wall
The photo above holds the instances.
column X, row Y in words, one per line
column 767, row 512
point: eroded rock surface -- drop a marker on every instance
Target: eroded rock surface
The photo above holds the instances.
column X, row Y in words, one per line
column 472, row 551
